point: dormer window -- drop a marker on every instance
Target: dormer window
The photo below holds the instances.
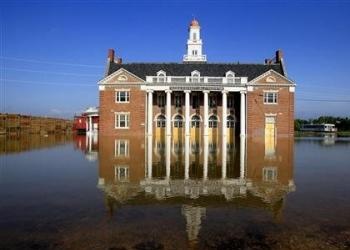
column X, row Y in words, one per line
column 161, row 76
column 230, row 77
column 195, row 76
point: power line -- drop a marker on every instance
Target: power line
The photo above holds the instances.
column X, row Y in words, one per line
column 50, row 83
column 48, row 72
column 50, row 62
column 320, row 100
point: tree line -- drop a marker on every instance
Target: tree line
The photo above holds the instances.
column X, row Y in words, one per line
column 341, row 123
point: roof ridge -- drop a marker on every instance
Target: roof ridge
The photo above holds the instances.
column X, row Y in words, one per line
column 213, row 63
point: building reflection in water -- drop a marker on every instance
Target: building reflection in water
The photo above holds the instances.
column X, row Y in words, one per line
column 88, row 144
column 248, row 172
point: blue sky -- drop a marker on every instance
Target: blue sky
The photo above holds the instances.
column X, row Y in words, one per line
column 52, row 53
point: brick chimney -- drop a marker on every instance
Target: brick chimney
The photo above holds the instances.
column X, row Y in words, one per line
column 279, row 56
column 111, row 54
column 119, row 60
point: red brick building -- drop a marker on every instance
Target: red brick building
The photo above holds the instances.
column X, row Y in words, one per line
column 195, row 97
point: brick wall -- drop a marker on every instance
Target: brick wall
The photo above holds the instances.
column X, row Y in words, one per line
column 256, row 110
column 108, row 107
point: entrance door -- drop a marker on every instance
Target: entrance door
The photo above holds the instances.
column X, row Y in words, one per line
column 270, row 126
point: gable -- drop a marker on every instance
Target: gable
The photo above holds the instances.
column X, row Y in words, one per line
column 271, row 77
column 121, row 76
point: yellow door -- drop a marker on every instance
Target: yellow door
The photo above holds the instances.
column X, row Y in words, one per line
column 160, row 133
column 270, row 126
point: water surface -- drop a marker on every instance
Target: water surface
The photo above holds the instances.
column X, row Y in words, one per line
column 160, row 193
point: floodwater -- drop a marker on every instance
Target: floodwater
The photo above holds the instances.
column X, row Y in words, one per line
column 59, row 192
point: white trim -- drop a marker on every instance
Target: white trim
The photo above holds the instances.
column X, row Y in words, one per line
column 292, row 89
column 200, row 117
column 161, row 72
column 265, row 176
column 115, row 119
column 122, row 78
column 104, row 80
column 271, row 90
column 196, row 72
column 173, row 117
column 156, row 116
column 116, row 93
column 268, row 73
column 212, row 114
column 155, row 88
column 117, row 144
column 230, row 72
column 117, row 172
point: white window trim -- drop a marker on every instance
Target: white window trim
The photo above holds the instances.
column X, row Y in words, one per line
column 121, row 90
column 161, row 75
column 275, row 172
column 117, row 144
column 117, row 173
column 271, row 91
column 115, row 119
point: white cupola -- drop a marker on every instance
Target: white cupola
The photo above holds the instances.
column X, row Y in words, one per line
column 194, row 44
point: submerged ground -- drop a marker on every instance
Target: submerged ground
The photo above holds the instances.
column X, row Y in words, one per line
column 77, row 193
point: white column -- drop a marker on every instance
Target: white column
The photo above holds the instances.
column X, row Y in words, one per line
column 149, row 156
column 150, row 112
column 224, row 157
column 187, row 112
column 90, row 141
column 205, row 160
column 167, row 157
column 187, row 157
column 243, row 114
column 168, row 112
column 90, row 124
column 224, row 112
column 206, row 112
column 242, row 156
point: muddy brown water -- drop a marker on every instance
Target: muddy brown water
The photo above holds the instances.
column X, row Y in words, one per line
column 62, row 192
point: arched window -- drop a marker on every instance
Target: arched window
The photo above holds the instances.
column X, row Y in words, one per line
column 195, row 121
column 230, row 122
column 178, row 121
column 213, row 121
column 195, row 75
column 161, row 121
column 230, row 77
column 161, row 76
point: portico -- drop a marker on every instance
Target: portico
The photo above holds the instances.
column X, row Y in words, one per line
column 182, row 108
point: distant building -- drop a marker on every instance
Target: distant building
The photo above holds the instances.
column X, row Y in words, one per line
column 325, row 127
column 87, row 122
column 196, row 97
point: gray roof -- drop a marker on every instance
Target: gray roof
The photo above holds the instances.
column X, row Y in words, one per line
column 206, row 69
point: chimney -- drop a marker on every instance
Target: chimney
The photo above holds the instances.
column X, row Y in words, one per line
column 119, row 60
column 279, row 56
column 111, row 55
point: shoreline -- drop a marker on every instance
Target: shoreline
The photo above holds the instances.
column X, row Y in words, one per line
column 322, row 134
